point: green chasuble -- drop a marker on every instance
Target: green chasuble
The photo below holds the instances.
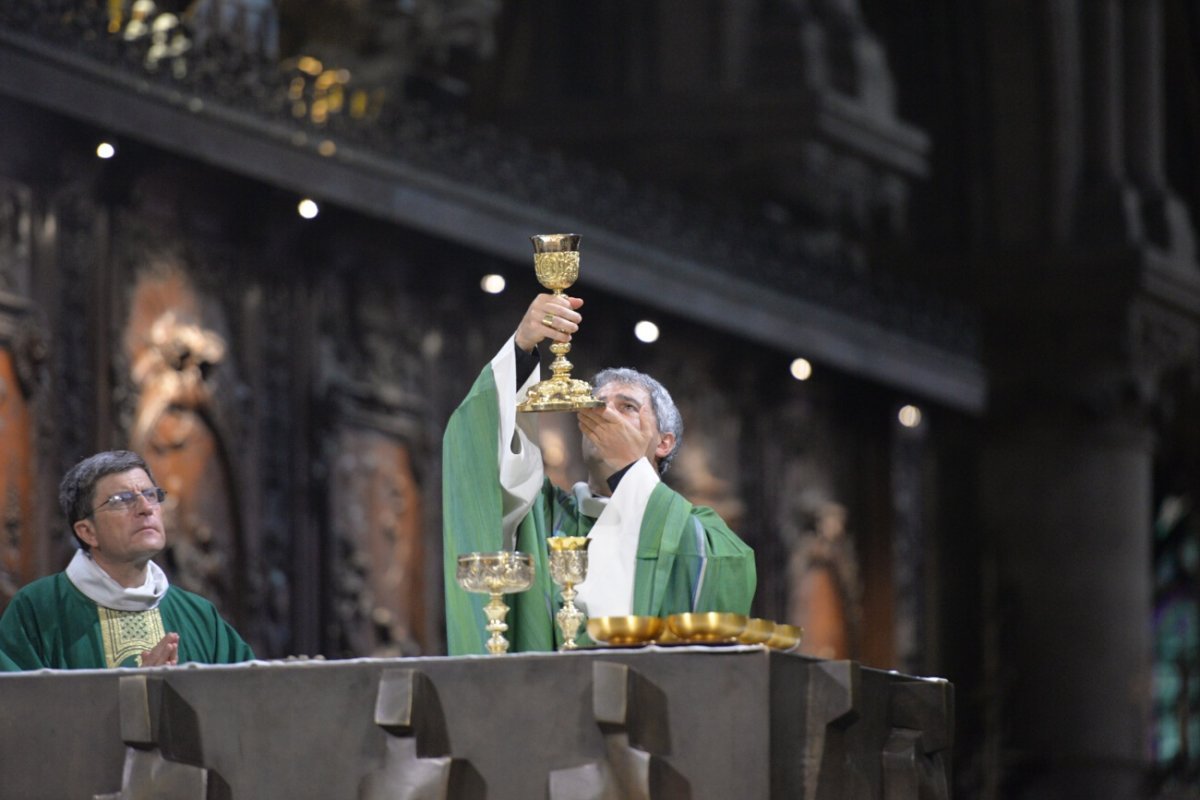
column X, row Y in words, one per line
column 687, row 557
column 51, row 624
column 7, row 664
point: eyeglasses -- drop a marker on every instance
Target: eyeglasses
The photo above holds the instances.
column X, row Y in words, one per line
column 123, row 501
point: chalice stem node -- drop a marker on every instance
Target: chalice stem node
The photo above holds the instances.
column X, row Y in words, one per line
column 569, row 619
column 496, row 611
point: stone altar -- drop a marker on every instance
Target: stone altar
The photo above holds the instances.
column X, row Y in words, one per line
column 654, row 722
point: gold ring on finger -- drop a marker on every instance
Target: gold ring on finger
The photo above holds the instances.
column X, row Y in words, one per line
column 548, row 320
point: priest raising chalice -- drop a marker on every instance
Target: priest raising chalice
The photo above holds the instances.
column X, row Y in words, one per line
column 651, row 552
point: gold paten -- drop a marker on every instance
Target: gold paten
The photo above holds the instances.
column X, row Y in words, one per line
column 568, row 567
column 712, row 626
column 757, row 631
column 667, row 636
column 786, row 637
column 556, row 263
column 625, row 630
column 495, row 574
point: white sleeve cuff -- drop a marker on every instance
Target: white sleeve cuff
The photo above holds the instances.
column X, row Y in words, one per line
column 518, row 455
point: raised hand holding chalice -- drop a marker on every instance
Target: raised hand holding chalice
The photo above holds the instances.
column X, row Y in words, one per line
column 556, row 263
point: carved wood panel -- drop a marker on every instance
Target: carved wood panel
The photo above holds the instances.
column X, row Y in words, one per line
column 19, row 349
column 376, row 509
column 15, row 237
column 16, row 483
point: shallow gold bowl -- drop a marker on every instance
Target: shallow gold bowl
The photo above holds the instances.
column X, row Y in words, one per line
column 625, row 630
column 757, row 631
column 712, row 626
column 667, row 636
column 503, row 572
column 786, row 637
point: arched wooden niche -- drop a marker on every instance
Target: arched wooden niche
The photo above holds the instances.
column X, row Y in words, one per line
column 376, row 509
column 823, row 586
column 174, row 350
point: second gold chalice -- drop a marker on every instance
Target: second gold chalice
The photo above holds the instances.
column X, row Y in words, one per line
column 495, row 574
column 568, row 567
column 556, row 263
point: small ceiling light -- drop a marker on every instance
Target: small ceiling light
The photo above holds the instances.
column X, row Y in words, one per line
column 646, row 331
column 308, row 208
column 801, row 369
column 105, row 150
column 492, row 284
column 909, row 416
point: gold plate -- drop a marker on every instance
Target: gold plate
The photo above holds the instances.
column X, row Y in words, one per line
column 712, row 626
column 668, row 636
column 627, row 630
column 662, row 644
column 786, row 637
column 757, row 631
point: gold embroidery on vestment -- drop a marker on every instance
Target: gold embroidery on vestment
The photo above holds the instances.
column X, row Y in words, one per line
column 129, row 633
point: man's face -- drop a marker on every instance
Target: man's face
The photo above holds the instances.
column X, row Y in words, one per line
column 123, row 535
column 632, row 403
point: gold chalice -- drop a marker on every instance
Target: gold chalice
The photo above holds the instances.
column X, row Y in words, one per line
column 495, row 574
column 556, row 262
column 568, row 567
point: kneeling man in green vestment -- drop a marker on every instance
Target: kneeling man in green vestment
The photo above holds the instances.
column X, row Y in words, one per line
column 113, row 606
column 652, row 552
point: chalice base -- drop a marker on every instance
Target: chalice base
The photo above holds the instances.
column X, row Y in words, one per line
column 560, row 394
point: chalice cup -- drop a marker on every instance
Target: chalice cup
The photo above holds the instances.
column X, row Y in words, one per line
column 495, row 574
column 568, row 567
column 556, row 263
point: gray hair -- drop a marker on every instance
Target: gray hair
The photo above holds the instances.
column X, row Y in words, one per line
column 665, row 411
column 79, row 484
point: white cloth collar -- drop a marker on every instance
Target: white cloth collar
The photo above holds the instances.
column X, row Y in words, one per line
column 591, row 505
column 104, row 590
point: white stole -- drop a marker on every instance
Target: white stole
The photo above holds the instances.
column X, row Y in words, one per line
column 612, row 556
